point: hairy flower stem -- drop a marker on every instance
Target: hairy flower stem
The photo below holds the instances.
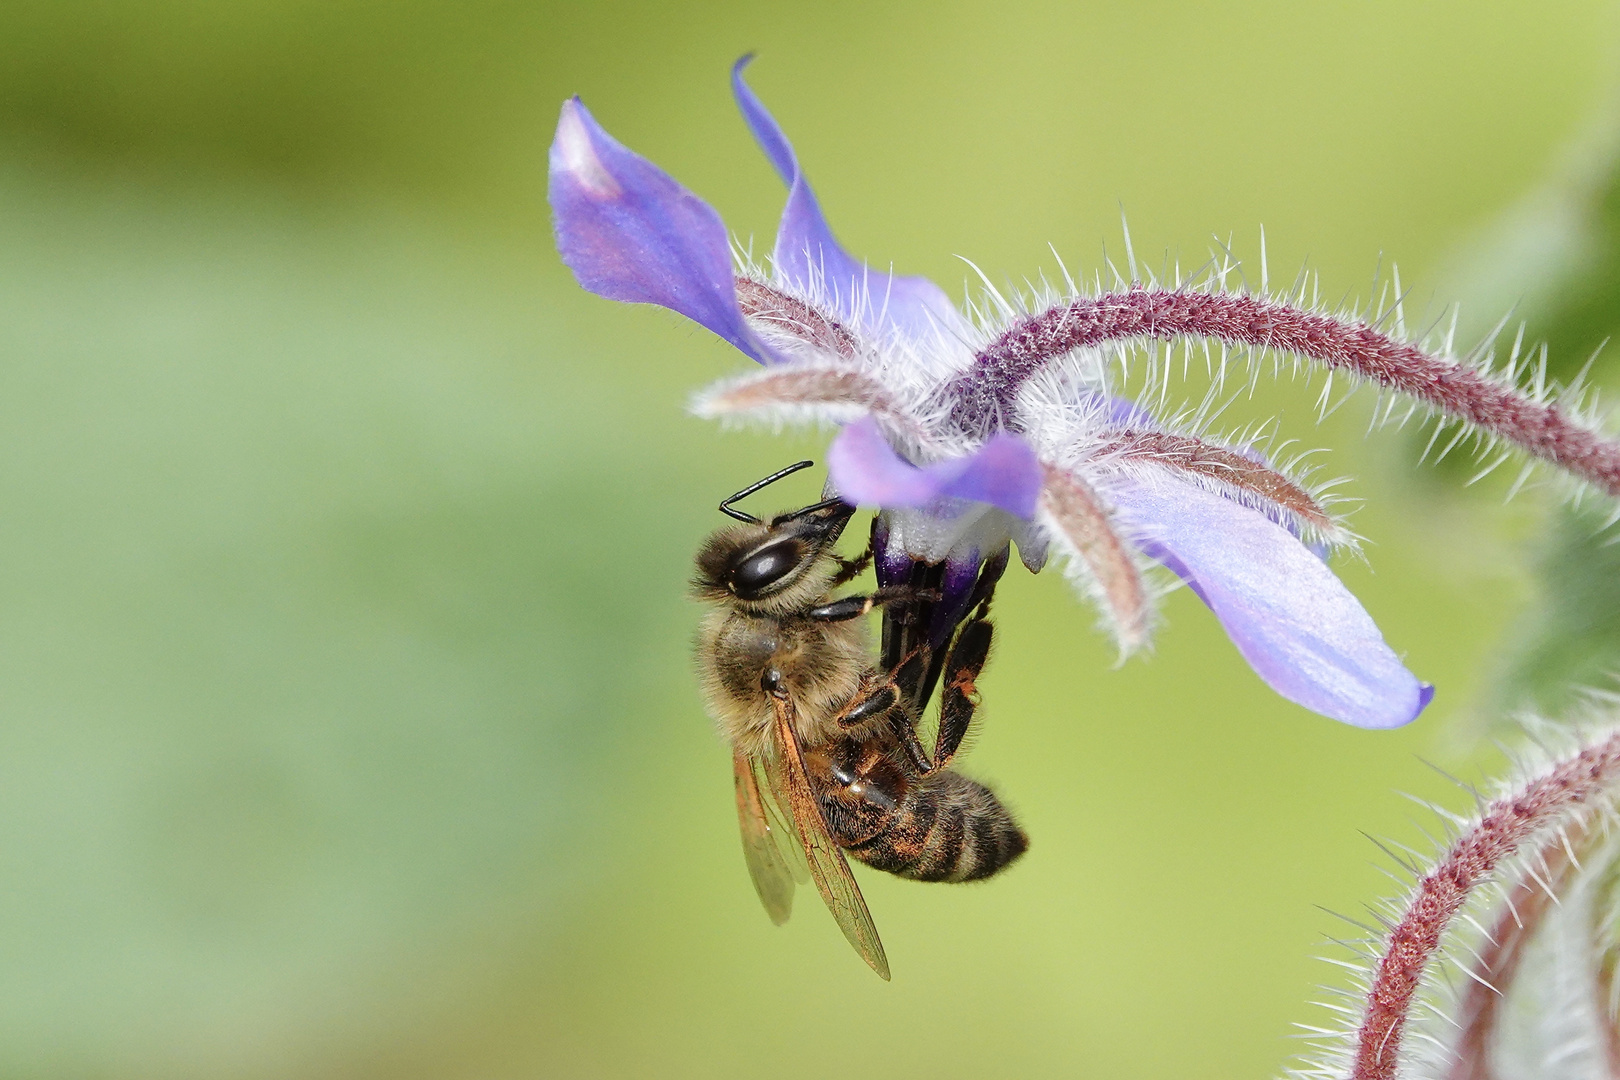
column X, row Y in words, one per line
column 1500, row 957
column 987, row 391
column 1506, row 823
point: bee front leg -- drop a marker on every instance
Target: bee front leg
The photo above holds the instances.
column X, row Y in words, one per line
column 853, row 607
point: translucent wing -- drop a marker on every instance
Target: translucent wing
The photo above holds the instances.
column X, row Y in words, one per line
column 773, row 879
column 783, row 831
column 828, row 868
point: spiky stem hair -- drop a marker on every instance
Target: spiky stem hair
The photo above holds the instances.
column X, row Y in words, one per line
column 1510, row 403
column 1535, row 977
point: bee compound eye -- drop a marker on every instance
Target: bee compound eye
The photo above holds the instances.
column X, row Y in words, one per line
column 765, row 567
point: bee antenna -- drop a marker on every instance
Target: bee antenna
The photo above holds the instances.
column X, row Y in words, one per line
column 726, row 507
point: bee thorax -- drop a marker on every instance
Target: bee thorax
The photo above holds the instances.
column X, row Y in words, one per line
column 745, row 662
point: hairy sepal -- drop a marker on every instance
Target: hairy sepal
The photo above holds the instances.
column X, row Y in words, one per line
column 809, row 394
column 1238, row 474
column 1100, row 564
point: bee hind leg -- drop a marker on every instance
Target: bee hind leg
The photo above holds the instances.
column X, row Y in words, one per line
column 960, row 698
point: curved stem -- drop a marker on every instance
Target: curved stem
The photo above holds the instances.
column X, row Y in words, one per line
column 1506, row 823
column 1499, row 962
column 987, row 390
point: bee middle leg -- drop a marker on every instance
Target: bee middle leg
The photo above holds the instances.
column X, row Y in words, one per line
column 874, row 701
column 881, row 694
column 881, row 701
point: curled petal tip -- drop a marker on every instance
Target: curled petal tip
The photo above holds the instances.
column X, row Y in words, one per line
column 774, row 141
column 629, row 232
column 1004, row 472
column 1402, row 705
column 574, row 156
column 808, row 256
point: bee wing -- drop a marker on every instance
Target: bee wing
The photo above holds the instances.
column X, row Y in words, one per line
column 784, row 832
column 828, row 867
column 764, row 844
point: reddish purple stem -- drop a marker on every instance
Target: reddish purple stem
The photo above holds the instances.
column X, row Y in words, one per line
column 985, row 393
column 1499, row 958
column 1506, row 823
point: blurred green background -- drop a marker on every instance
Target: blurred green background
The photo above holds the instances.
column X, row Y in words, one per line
column 346, row 723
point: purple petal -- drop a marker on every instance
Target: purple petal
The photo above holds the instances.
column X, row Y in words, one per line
column 1004, row 472
column 629, row 232
column 1291, row 618
column 806, row 250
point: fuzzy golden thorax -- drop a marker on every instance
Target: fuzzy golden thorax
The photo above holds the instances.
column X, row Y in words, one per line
column 823, row 668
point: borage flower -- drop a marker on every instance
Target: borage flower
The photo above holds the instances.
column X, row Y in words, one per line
column 969, row 435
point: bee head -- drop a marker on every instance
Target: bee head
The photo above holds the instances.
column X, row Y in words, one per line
column 776, row 566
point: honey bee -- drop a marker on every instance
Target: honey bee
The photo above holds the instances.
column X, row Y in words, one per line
column 825, row 752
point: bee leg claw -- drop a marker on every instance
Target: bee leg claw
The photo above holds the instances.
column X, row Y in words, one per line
column 850, row 569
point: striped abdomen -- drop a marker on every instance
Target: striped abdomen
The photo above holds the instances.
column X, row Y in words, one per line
column 946, row 828
column 939, row 827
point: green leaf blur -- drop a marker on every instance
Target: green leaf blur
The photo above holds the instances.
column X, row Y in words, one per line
column 1556, row 255
column 346, row 722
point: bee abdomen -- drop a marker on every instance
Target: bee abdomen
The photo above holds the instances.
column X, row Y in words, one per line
column 947, row 828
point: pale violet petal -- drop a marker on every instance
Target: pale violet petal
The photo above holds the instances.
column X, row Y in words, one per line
column 629, row 232
column 1294, row 622
column 867, row 471
column 807, row 253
